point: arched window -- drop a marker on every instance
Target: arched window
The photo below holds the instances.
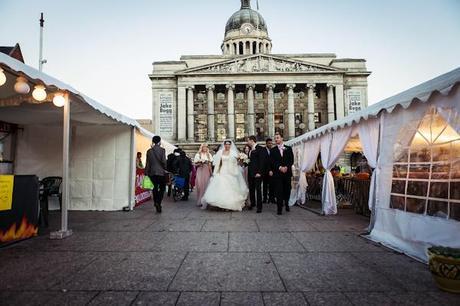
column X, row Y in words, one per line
column 248, row 47
column 235, row 49
column 241, row 51
column 254, row 47
column 261, row 47
column 426, row 170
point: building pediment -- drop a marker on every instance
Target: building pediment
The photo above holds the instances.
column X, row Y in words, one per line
column 260, row 63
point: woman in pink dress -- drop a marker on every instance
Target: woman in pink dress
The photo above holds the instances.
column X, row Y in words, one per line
column 203, row 162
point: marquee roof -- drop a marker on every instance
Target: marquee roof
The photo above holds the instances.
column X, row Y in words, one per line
column 419, row 94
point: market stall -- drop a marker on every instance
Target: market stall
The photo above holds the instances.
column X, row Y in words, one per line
column 61, row 132
column 412, row 143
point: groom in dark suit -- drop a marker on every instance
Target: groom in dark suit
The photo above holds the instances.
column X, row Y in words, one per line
column 281, row 161
column 256, row 170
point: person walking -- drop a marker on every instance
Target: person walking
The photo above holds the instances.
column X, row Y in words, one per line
column 183, row 167
column 155, row 168
column 202, row 161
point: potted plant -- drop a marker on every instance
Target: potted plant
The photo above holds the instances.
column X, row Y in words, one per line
column 445, row 267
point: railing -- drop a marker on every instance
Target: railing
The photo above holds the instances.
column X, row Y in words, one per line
column 348, row 189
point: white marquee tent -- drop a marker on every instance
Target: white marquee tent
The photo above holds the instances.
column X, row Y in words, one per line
column 86, row 142
column 412, row 140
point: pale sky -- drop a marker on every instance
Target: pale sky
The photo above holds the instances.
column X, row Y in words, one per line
column 105, row 48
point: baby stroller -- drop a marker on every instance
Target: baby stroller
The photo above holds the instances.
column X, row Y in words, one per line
column 178, row 189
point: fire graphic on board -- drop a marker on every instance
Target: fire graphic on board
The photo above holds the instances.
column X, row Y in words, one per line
column 25, row 230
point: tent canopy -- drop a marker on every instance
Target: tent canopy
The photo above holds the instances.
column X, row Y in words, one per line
column 83, row 109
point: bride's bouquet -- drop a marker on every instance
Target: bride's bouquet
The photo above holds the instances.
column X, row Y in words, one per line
column 243, row 159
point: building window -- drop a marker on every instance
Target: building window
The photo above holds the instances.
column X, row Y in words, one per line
column 426, row 173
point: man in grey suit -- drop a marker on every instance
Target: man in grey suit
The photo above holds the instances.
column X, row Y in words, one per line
column 155, row 168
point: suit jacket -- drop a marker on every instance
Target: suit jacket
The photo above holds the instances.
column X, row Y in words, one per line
column 156, row 161
column 257, row 163
column 277, row 161
column 183, row 166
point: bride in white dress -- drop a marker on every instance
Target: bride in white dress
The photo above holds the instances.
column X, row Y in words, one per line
column 227, row 188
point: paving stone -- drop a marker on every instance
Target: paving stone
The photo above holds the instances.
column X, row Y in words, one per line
column 194, row 241
column 327, row 298
column 39, row 270
column 127, row 271
column 199, row 299
column 370, row 298
column 323, row 271
column 227, row 272
column 187, row 225
column 241, row 298
column 230, row 226
column 70, row 298
column 25, row 298
column 280, row 225
column 157, row 298
column 129, row 225
column 336, row 242
column 264, row 242
column 284, row 299
column 409, row 274
column 114, row 298
column 414, row 298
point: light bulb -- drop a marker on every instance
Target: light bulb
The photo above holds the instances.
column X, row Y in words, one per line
column 59, row 99
column 39, row 93
column 21, row 86
column 2, row 77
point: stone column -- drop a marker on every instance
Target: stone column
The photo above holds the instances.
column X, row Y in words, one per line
column 311, row 106
column 271, row 109
column 190, row 114
column 231, row 110
column 291, row 110
column 211, row 121
column 181, row 114
column 330, row 103
column 339, row 101
column 250, row 120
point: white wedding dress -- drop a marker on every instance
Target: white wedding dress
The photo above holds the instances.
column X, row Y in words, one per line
column 227, row 188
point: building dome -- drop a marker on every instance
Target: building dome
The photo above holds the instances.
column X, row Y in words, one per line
column 243, row 16
column 246, row 32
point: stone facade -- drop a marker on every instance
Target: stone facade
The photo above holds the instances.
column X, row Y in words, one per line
column 249, row 91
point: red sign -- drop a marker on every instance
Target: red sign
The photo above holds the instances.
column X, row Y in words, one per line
column 141, row 194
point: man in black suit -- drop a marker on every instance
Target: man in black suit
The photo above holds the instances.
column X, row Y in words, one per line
column 256, row 169
column 267, row 186
column 281, row 161
column 155, row 168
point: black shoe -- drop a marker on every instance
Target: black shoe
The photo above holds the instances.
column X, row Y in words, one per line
column 279, row 213
column 250, row 208
column 288, row 209
column 158, row 208
column 259, row 211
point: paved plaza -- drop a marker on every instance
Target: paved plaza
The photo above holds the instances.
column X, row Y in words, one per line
column 187, row 256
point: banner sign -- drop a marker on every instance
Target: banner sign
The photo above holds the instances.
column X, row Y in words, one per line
column 354, row 101
column 166, row 114
column 6, row 192
column 141, row 194
column 20, row 221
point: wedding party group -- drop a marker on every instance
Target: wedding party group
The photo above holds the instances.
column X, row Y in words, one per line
column 230, row 180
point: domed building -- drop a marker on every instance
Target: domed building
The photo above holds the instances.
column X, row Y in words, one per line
column 247, row 90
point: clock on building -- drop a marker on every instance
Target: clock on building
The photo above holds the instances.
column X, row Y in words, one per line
column 247, row 28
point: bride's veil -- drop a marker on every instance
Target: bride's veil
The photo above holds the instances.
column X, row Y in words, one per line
column 233, row 152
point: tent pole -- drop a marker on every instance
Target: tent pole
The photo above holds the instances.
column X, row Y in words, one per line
column 132, row 170
column 65, row 232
